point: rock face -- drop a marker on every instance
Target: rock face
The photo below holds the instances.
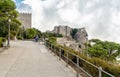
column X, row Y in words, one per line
column 64, row 30
column 72, row 44
column 81, row 36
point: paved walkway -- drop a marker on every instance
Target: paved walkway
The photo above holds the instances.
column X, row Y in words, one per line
column 30, row 59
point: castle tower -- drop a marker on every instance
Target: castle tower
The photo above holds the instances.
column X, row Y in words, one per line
column 25, row 19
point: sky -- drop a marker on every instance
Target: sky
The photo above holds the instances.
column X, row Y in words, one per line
column 101, row 18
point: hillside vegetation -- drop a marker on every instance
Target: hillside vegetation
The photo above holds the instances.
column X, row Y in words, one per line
column 96, row 56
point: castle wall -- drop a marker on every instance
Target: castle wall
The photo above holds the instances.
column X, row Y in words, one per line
column 25, row 19
column 64, row 30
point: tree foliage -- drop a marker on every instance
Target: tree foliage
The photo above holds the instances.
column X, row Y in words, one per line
column 2, row 39
column 8, row 12
column 47, row 35
column 73, row 32
column 31, row 33
column 103, row 49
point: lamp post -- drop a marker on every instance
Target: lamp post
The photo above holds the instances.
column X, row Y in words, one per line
column 8, row 44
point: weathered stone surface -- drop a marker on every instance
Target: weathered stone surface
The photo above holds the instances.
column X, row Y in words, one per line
column 81, row 37
column 64, row 41
column 64, row 30
column 75, row 46
column 69, row 43
column 25, row 19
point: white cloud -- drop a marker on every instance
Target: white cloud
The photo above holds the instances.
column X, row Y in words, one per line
column 69, row 15
column 100, row 17
column 116, row 18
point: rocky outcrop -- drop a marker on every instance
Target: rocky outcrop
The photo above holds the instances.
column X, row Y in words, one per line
column 78, row 34
column 64, row 30
column 81, row 37
column 72, row 44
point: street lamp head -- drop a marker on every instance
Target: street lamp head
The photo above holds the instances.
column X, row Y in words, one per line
column 9, row 20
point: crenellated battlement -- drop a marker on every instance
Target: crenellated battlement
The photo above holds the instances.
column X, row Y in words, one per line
column 25, row 13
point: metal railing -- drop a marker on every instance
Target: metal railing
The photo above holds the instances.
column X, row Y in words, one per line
column 62, row 54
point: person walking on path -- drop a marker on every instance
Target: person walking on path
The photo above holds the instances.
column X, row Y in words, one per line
column 36, row 38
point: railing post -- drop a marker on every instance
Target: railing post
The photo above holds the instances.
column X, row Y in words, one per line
column 77, row 66
column 60, row 53
column 45, row 43
column 77, row 75
column 67, row 58
column 77, row 61
column 54, row 50
column 51, row 47
column 100, row 71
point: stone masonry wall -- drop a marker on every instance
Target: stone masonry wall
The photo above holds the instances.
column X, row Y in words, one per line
column 64, row 30
column 25, row 19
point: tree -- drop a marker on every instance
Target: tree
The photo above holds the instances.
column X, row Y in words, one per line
column 8, row 11
column 112, row 49
column 73, row 32
column 31, row 33
column 38, row 32
column 103, row 49
column 49, row 34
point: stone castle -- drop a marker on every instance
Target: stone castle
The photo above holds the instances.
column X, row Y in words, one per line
column 79, row 40
column 25, row 19
column 64, row 30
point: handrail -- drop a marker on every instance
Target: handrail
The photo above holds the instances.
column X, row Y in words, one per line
column 100, row 70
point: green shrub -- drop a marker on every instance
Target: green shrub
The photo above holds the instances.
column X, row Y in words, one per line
column 2, row 39
column 13, row 32
column 59, row 35
column 52, row 39
column 19, row 38
column 30, row 36
column 12, row 37
column 73, row 32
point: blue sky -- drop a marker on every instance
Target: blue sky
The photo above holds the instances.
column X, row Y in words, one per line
column 99, row 17
column 21, row 6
